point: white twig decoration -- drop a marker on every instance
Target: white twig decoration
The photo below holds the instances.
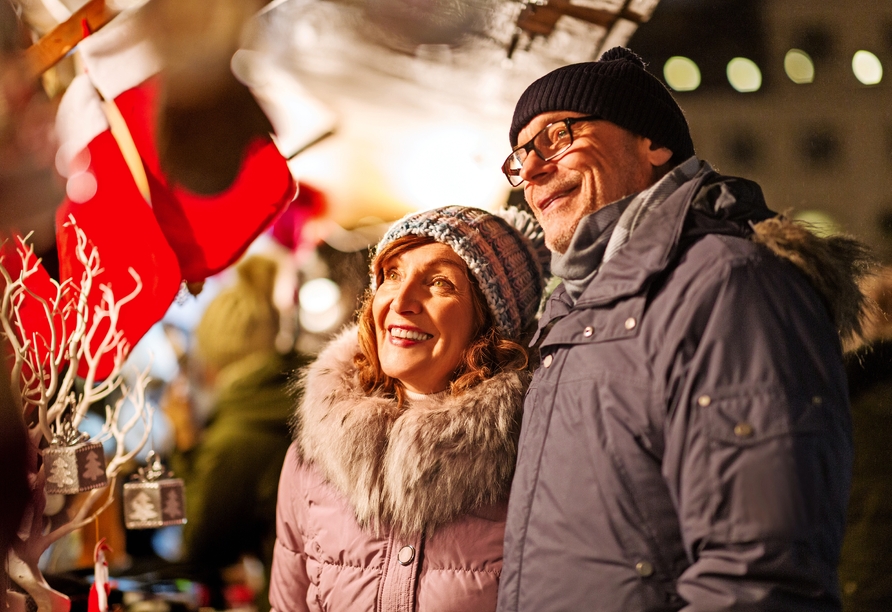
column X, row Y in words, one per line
column 45, row 384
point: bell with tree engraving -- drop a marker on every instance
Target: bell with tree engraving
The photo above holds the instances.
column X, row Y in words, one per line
column 72, row 463
column 154, row 498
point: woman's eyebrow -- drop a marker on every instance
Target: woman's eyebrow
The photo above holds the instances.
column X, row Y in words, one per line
column 445, row 262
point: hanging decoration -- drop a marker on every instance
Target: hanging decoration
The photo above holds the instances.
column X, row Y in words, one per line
column 97, row 601
column 73, row 463
column 154, row 498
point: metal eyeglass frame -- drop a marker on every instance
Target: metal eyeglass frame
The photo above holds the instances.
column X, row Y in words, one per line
column 513, row 174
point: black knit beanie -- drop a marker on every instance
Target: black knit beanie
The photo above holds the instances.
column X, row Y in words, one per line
column 616, row 88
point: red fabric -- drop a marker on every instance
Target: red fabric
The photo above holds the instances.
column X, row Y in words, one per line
column 31, row 312
column 93, row 599
column 119, row 223
column 208, row 233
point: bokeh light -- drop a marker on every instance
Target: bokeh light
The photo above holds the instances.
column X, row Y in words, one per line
column 320, row 307
column 799, row 67
column 319, row 295
column 681, row 73
column 867, row 67
column 744, row 75
column 81, row 186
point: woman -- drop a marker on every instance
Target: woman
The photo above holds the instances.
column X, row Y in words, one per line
column 394, row 493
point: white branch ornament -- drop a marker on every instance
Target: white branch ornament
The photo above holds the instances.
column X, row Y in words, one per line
column 43, row 380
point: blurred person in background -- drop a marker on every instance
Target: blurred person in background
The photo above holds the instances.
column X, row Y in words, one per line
column 394, row 493
column 231, row 467
column 864, row 573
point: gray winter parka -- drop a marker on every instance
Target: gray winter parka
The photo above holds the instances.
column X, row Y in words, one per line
column 686, row 441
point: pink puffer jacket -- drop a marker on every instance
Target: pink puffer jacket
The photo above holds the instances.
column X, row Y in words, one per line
column 383, row 509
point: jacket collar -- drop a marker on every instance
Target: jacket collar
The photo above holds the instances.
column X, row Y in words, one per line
column 414, row 467
column 714, row 204
column 648, row 251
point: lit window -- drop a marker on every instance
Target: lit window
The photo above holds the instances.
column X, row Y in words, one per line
column 681, row 74
column 867, row 67
column 744, row 75
column 799, row 67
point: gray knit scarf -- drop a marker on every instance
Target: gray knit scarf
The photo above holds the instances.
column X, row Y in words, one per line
column 600, row 235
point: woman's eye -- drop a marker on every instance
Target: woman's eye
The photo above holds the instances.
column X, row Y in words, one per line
column 391, row 275
column 442, row 283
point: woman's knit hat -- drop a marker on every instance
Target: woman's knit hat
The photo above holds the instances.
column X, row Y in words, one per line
column 616, row 88
column 506, row 254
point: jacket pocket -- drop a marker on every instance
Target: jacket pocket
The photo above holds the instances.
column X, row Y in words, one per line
column 769, row 457
column 751, row 418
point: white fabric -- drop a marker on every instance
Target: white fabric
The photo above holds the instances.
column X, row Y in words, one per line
column 79, row 120
column 298, row 118
column 412, row 395
column 118, row 57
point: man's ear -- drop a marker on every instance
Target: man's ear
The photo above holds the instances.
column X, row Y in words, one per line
column 658, row 156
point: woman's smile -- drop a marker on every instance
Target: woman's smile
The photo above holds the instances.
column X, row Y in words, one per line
column 399, row 334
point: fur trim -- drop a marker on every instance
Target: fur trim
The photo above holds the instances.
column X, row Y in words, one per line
column 412, row 468
column 835, row 265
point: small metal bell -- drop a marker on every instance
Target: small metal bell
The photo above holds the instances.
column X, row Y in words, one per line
column 72, row 463
column 154, row 498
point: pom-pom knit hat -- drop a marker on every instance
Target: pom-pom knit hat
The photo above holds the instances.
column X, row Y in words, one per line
column 506, row 254
column 616, row 88
column 241, row 319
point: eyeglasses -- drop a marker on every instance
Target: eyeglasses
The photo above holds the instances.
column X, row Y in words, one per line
column 548, row 143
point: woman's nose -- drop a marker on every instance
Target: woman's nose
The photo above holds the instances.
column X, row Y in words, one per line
column 406, row 299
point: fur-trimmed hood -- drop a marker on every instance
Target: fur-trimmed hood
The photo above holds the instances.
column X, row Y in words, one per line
column 837, row 266
column 411, row 468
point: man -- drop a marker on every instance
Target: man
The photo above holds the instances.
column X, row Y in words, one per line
column 686, row 441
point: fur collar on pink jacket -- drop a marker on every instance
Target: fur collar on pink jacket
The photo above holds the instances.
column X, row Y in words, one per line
column 415, row 468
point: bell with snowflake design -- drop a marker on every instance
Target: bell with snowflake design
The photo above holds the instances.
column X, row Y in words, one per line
column 154, row 498
column 72, row 463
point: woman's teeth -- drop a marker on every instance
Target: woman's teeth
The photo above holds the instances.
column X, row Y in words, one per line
column 398, row 332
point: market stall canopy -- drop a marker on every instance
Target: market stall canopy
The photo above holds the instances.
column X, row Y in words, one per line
column 385, row 105
column 421, row 91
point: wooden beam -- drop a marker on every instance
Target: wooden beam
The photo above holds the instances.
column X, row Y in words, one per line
column 541, row 18
column 46, row 52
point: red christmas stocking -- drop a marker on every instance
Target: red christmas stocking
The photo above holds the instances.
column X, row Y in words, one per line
column 104, row 202
column 38, row 316
column 207, row 232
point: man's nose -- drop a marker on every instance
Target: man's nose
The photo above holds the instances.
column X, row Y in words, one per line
column 534, row 166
